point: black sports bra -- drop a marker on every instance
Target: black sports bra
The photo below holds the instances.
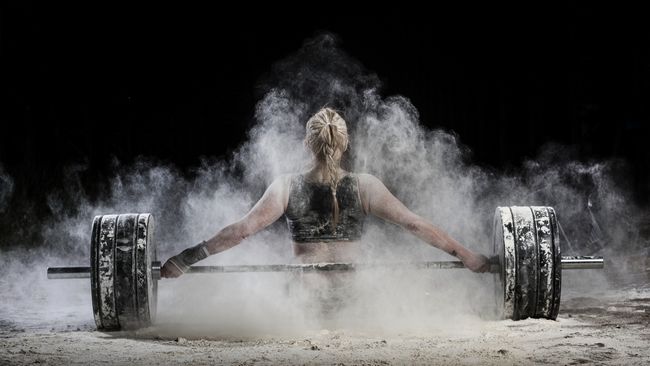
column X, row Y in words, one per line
column 309, row 210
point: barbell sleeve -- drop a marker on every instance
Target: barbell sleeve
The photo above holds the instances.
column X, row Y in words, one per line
column 569, row 262
column 582, row 262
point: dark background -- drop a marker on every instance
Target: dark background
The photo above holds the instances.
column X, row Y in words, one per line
column 506, row 80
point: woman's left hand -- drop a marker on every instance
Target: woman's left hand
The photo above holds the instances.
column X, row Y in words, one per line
column 170, row 270
column 477, row 263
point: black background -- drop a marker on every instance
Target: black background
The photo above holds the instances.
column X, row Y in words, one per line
column 74, row 77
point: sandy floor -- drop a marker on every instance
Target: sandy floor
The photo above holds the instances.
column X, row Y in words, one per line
column 608, row 326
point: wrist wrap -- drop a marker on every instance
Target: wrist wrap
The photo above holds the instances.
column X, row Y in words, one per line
column 189, row 256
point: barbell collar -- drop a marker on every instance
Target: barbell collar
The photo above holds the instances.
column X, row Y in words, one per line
column 155, row 270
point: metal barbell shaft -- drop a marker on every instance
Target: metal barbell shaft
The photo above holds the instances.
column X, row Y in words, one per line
column 84, row 272
column 572, row 262
column 316, row 267
column 62, row 273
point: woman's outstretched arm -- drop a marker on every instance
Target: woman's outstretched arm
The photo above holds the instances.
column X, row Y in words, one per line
column 268, row 209
column 378, row 200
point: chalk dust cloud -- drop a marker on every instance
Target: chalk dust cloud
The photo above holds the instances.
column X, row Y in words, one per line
column 429, row 170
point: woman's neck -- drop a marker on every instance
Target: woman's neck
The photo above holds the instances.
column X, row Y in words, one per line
column 320, row 174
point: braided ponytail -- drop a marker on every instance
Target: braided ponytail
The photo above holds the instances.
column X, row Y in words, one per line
column 327, row 134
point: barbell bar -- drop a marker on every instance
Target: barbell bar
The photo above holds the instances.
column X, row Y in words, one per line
column 124, row 272
column 570, row 262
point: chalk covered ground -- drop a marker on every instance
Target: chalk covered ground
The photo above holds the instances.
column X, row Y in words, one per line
column 604, row 319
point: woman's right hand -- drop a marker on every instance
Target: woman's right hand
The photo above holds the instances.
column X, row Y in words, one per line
column 170, row 270
column 477, row 262
column 181, row 262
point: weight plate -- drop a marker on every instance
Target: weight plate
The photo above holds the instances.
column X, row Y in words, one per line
column 504, row 248
column 526, row 263
column 546, row 262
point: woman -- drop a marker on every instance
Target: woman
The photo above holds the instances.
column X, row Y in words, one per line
column 325, row 209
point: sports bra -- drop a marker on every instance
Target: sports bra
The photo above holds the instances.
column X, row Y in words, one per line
column 309, row 210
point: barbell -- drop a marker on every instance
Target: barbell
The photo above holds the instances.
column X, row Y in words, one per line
column 124, row 272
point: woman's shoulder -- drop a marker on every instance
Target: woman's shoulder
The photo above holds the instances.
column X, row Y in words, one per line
column 281, row 182
column 287, row 178
column 367, row 183
column 365, row 178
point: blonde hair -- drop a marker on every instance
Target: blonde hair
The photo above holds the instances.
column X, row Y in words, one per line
column 326, row 134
